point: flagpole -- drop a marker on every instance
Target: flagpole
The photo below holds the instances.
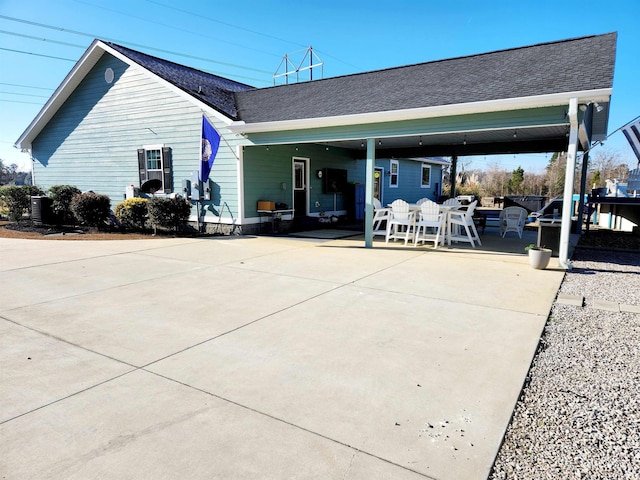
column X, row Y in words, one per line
column 600, row 142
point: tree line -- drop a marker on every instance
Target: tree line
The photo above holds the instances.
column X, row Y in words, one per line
column 10, row 175
column 495, row 181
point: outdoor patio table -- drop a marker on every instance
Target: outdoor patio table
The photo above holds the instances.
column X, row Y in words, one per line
column 447, row 209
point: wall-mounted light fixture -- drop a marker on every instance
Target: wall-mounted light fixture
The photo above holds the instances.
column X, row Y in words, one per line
column 598, row 107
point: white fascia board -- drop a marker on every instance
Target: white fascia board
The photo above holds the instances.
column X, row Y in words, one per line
column 487, row 106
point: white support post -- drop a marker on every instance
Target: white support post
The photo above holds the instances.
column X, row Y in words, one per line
column 368, row 193
column 567, row 203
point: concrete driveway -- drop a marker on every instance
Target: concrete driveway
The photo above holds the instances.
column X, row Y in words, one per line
column 265, row 358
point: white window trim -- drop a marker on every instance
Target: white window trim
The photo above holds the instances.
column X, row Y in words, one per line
column 425, row 165
column 391, row 174
column 160, row 147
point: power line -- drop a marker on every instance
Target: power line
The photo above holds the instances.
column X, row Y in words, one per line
column 200, row 16
column 71, row 60
column 124, row 42
column 42, row 39
column 19, row 101
column 25, row 94
column 190, row 32
column 38, row 54
column 25, row 86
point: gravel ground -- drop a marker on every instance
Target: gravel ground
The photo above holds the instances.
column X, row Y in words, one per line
column 579, row 413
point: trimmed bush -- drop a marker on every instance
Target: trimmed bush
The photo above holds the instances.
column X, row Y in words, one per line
column 91, row 209
column 169, row 213
column 17, row 200
column 61, row 196
column 133, row 213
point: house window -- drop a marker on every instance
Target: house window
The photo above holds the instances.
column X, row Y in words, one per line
column 394, row 169
column 154, row 166
column 298, row 175
column 425, row 181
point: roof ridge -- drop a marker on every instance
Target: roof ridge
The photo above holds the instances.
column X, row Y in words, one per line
column 164, row 60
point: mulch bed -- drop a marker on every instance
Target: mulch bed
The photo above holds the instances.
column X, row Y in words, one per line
column 26, row 229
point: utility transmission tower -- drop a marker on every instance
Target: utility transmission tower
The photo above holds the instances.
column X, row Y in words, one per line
column 309, row 61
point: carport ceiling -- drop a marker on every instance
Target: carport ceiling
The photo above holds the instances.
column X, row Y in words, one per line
column 487, row 142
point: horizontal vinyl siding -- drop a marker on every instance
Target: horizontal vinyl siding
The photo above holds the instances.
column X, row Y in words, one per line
column 92, row 140
column 265, row 170
column 409, row 180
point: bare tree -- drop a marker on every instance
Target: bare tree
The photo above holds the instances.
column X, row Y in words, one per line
column 609, row 165
column 8, row 173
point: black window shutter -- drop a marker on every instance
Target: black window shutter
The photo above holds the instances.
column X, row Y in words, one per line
column 142, row 166
column 166, row 167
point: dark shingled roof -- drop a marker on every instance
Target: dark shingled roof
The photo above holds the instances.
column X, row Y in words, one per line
column 217, row 92
column 578, row 64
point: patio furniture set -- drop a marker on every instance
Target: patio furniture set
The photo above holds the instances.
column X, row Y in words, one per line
column 427, row 221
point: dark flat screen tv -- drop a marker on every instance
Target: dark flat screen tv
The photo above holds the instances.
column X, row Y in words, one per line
column 335, row 180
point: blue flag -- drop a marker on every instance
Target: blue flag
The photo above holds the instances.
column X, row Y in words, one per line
column 209, row 149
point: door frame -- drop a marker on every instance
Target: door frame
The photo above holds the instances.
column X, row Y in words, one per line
column 380, row 182
column 305, row 162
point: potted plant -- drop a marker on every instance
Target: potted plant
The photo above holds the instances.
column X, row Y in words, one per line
column 538, row 256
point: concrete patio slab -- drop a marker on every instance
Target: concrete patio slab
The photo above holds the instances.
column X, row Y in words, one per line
column 142, row 322
column 38, row 369
column 374, row 370
column 70, row 278
column 26, row 253
column 263, row 357
column 143, row 426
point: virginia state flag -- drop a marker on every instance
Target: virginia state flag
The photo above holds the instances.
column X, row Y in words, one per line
column 632, row 132
column 209, row 148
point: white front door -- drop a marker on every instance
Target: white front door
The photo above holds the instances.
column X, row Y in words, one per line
column 300, row 186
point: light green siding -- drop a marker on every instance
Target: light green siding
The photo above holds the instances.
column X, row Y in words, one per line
column 92, row 140
column 508, row 119
column 409, row 181
column 266, row 169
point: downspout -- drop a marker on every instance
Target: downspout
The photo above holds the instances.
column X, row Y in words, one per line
column 565, row 227
column 33, row 168
column 368, row 192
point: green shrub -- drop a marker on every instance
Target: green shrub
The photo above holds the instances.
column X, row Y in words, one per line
column 133, row 213
column 61, row 196
column 17, row 200
column 91, row 209
column 169, row 213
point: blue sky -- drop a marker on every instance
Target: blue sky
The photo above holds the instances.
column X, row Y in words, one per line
column 40, row 41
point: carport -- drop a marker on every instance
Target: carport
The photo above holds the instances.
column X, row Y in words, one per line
column 550, row 97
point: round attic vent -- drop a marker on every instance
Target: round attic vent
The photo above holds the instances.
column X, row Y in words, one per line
column 109, row 75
